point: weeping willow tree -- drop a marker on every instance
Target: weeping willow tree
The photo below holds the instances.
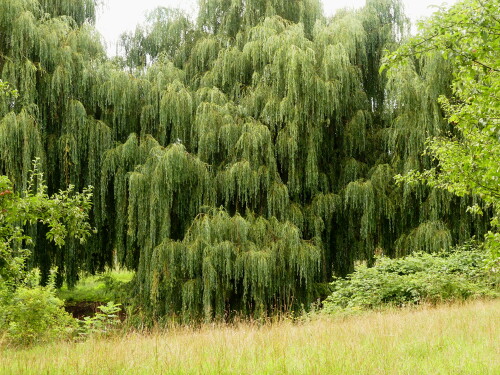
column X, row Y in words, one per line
column 294, row 123
column 51, row 54
column 238, row 159
column 229, row 17
column 227, row 264
column 167, row 32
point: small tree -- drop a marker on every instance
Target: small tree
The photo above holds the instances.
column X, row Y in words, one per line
column 29, row 313
column 467, row 161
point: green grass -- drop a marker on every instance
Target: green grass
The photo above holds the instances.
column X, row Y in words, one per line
column 454, row 339
column 99, row 288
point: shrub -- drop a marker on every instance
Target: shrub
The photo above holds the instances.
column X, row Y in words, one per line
column 455, row 275
column 102, row 322
column 33, row 314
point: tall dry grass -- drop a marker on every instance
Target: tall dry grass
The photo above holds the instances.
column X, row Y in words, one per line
column 456, row 339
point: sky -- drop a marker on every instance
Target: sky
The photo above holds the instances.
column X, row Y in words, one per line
column 118, row 16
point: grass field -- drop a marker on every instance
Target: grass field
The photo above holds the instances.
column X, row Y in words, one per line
column 457, row 339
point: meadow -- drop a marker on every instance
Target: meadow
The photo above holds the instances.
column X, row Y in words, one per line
column 447, row 339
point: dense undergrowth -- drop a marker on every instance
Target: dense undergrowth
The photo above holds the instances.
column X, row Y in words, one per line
column 35, row 315
column 110, row 286
column 455, row 275
column 32, row 314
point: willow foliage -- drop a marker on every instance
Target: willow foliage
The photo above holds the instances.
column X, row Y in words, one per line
column 167, row 32
column 227, row 264
column 16, row 153
column 238, row 159
column 228, row 17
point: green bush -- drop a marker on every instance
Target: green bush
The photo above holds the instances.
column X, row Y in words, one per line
column 33, row 314
column 456, row 275
column 102, row 322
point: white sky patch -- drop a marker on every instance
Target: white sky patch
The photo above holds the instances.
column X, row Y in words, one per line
column 118, row 16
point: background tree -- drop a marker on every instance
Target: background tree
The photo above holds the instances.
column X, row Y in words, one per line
column 30, row 313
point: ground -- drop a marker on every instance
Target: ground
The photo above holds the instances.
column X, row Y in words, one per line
column 449, row 339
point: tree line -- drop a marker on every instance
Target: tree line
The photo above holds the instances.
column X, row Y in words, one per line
column 241, row 159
